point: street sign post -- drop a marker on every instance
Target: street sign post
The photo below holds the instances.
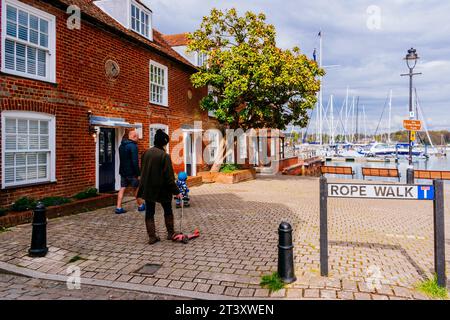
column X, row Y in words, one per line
column 433, row 193
column 412, row 125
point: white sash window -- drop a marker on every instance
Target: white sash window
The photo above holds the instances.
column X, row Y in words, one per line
column 28, row 41
column 158, row 84
column 28, row 148
column 153, row 129
column 140, row 20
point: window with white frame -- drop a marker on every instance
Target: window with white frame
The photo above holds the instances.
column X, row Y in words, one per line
column 153, row 129
column 28, row 148
column 158, row 84
column 213, row 146
column 202, row 59
column 211, row 113
column 141, row 20
column 28, row 41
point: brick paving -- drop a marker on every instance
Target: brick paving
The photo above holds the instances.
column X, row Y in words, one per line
column 379, row 249
column 14, row 287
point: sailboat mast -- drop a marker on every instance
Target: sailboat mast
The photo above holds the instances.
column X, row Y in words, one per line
column 346, row 137
column 390, row 117
column 357, row 120
column 320, row 93
column 364, row 123
column 332, row 121
column 353, row 120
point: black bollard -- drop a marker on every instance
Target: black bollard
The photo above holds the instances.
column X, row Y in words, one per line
column 39, row 233
column 286, row 254
column 410, row 176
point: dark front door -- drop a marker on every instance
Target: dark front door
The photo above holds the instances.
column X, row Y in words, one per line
column 107, row 160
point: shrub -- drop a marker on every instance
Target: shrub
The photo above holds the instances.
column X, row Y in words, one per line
column 88, row 193
column 23, row 204
column 272, row 282
column 431, row 288
column 3, row 212
column 229, row 168
column 3, row 229
column 54, row 201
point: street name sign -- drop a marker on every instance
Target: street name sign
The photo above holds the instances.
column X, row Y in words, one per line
column 412, row 125
column 434, row 192
column 378, row 191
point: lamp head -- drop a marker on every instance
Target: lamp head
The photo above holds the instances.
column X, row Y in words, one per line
column 411, row 58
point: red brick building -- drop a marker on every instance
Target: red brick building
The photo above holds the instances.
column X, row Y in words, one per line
column 70, row 88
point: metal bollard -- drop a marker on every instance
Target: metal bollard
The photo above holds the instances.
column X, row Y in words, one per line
column 39, row 233
column 410, row 176
column 286, row 254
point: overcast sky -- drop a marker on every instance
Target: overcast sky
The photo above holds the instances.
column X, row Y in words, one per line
column 367, row 39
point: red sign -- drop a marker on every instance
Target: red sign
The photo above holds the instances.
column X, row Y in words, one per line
column 412, row 125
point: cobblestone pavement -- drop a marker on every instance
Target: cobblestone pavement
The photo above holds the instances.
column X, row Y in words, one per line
column 379, row 249
column 22, row 288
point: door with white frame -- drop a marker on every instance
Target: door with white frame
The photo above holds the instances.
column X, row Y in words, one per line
column 190, row 157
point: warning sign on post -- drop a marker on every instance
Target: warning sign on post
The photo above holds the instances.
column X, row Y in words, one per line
column 373, row 191
column 412, row 125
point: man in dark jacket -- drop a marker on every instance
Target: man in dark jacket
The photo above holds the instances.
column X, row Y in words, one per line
column 129, row 170
column 158, row 185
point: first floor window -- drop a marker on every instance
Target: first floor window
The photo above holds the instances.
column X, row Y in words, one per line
column 28, row 148
column 158, row 84
column 153, row 129
column 28, row 41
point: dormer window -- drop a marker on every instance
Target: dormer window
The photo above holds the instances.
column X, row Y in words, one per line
column 202, row 59
column 140, row 20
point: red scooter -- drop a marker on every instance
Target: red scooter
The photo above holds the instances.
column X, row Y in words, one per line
column 181, row 237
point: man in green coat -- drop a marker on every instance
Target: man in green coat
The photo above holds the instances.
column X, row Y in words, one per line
column 157, row 184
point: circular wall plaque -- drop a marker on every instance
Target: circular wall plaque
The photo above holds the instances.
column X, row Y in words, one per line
column 112, row 69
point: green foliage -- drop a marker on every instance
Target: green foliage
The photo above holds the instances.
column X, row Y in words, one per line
column 54, row 201
column 23, row 204
column 3, row 212
column 438, row 137
column 272, row 282
column 76, row 258
column 255, row 84
column 229, row 168
column 431, row 289
column 88, row 193
column 3, row 229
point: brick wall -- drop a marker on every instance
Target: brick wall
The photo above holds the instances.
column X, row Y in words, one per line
column 82, row 85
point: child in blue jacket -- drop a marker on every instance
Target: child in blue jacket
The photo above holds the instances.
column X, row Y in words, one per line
column 184, row 190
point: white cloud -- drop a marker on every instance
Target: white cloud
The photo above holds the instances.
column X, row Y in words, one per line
column 371, row 60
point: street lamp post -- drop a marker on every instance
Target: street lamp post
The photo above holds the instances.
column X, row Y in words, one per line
column 411, row 61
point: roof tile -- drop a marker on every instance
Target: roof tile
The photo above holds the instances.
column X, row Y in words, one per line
column 175, row 40
column 159, row 43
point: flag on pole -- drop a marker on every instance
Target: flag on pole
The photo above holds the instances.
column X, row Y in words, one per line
column 320, row 34
column 315, row 54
